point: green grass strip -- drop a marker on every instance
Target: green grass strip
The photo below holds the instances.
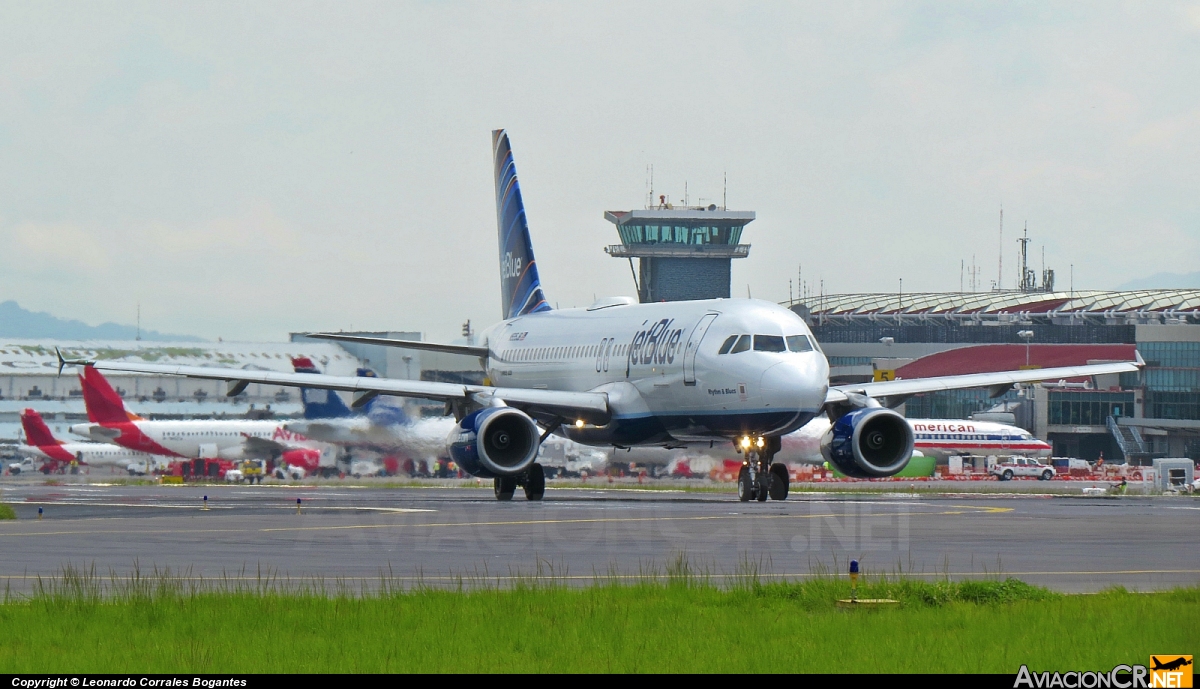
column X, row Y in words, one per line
column 6, row 511
column 77, row 625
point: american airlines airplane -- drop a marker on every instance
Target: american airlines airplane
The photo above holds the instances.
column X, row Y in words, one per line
column 619, row 373
column 233, row 439
column 40, row 443
column 938, row 438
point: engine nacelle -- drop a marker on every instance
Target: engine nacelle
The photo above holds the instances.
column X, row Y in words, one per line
column 495, row 441
column 869, row 443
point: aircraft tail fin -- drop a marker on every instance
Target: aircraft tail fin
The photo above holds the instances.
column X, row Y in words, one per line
column 319, row 403
column 37, row 433
column 520, row 287
column 103, row 403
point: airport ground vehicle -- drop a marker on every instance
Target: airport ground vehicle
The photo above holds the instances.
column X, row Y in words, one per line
column 625, row 374
column 26, row 465
column 1022, row 467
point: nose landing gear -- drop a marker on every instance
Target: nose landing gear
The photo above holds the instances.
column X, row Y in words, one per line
column 758, row 478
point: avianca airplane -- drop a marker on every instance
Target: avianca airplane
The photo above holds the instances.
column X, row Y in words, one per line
column 110, row 422
column 380, row 424
column 937, row 438
column 40, row 443
column 620, row 373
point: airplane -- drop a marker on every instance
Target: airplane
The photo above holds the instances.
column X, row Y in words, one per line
column 379, row 424
column 40, row 443
column 619, row 373
column 233, row 439
column 937, row 438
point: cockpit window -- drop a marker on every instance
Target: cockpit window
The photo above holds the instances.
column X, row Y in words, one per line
column 727, row 344
column 742, row 344
column 799, row 343
column 769, row 343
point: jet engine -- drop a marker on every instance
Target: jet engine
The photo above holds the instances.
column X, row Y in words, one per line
column 868, row 443
column 494, row 442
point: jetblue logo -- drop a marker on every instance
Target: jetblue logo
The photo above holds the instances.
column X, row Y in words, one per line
column 510, row 267
column 656, row 344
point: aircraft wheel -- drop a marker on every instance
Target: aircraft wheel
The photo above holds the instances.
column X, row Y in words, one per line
column 779, row 482
column 535, row 482
column 504, row 486
column 745, row 488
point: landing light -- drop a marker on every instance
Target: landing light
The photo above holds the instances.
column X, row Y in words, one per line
column 579, row 423
column 760, row 442
column 746, row 442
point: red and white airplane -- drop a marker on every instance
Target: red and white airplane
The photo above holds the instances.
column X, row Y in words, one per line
column 110, row 422
column 55, row 454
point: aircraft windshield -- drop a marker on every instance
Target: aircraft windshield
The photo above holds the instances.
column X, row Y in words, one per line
column 799, row 343
column 769, row 343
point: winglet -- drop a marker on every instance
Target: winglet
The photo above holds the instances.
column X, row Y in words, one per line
column 64, row 362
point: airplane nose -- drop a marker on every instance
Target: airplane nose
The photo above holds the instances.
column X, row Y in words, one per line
column 790, row 386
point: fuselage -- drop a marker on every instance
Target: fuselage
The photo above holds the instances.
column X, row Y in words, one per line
column 674, row 372
column 89, row 454
column 230, row 439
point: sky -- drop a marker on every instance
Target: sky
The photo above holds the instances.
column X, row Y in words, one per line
column 244, row 170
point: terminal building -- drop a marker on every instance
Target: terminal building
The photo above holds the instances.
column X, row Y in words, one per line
column 1134, row 417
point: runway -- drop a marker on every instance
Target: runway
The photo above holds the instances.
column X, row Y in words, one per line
column 437, row 535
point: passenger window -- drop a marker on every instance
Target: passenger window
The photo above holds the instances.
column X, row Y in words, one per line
column 799, row 343
column 727, row 344
column 741, row 345
column 769, row 343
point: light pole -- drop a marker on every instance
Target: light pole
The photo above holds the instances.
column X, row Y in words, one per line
column 1026, row 335
column 407, row 368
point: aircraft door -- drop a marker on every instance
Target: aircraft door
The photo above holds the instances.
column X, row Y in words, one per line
column 693, row 346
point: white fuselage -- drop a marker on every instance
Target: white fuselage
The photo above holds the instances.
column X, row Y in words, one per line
column 661, row 367
column 91, row 454
column 227, row 439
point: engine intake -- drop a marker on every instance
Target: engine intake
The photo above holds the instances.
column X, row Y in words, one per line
column 493, row 442
column 869, row 443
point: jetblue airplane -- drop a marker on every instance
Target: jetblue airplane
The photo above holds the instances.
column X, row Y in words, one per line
column 619, row 373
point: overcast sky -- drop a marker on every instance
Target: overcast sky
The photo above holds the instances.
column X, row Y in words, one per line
column 248, row 169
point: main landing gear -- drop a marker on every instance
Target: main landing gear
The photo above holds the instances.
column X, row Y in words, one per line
column 533, row 480
column 758, row 478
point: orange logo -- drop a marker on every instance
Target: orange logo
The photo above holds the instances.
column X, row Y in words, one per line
column 1174, row 671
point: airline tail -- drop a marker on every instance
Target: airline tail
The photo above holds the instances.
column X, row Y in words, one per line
column 37, row 433
column 103, row 403
column 520, row 288
column 319, row 403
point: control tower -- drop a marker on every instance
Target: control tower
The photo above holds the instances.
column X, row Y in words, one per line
column 683, row 252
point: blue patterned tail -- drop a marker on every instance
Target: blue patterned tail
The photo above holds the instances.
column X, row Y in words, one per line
column 520, row 288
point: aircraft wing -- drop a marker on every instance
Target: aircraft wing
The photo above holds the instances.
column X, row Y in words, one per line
column 998, row 382
column 589, row 406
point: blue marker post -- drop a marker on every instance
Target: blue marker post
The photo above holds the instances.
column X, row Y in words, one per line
column 205, row 507
column 297, row 505
column 854, row 581
column 39, row 514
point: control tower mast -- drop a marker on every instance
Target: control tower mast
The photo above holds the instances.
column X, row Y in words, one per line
column 683, row 252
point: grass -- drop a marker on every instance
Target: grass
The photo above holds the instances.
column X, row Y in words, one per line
column 688, row 622
column 6, row 511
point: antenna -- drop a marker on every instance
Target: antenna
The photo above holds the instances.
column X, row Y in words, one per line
column 687, row 201
column 1024, row 283
column 962, row 271
column 790, row 299
column 1000, row 275
column 725, row 191
column 139, row 322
